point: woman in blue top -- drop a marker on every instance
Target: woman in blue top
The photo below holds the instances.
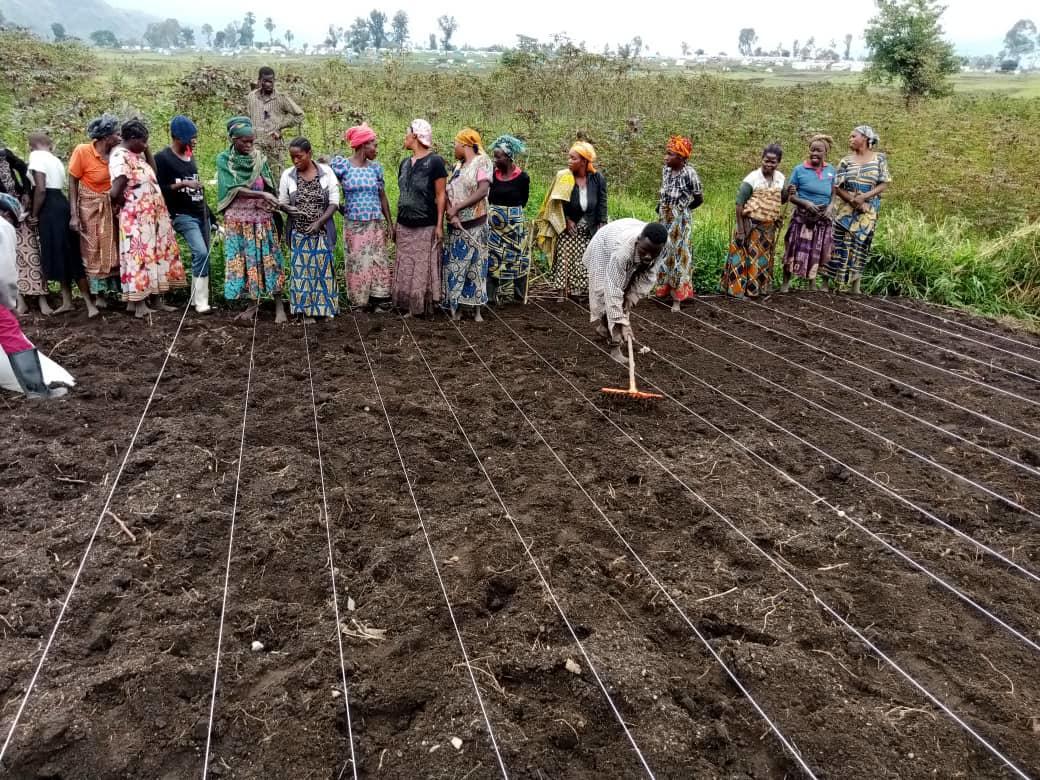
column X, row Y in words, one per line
column 810, row 236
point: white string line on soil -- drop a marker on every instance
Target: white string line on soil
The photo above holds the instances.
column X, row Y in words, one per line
column 901, row 355
column 838, row 416
column 530, row 556
column 959, row 355
column 880, row 374
column 780, row 567
column 784, row 741
column 332, row 568
column 231, row 547
column 870, row 398
column 852, row 469
column 817, row 498
column 90, row 543
column 892, row 302
column 859, row 301
column 433, row 554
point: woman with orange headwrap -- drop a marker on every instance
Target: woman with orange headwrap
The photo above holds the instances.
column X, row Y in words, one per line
column 366, row 220
column 680, row 194
column 574, row 208
column 465, row 269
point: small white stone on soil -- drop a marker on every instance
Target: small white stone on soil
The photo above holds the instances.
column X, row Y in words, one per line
column 367, row 409
column 350, row 604
column 841, row 513
column 572, row 666
column 257, row 646
column 435, row 748
column 178, row 495
column 456, row 743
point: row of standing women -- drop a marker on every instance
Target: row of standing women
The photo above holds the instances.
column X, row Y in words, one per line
column 461, row 237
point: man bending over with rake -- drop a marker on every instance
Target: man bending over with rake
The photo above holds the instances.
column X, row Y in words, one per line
column 621, row 260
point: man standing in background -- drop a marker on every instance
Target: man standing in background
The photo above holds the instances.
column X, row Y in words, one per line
column 272, row 112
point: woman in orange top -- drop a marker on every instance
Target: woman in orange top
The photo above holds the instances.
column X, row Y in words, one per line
column 92, row 214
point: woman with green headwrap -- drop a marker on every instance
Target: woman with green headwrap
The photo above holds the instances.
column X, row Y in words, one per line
column 254, row 263
column 507, row 239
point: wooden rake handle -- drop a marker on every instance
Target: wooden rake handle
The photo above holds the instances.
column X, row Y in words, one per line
column 631, row 368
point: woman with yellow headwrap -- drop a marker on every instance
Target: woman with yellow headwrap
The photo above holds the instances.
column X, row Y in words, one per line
column 465, row 266
column 574, row 209
column 680, row 194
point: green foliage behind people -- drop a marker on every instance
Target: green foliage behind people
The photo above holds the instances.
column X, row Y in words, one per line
column 906, row 45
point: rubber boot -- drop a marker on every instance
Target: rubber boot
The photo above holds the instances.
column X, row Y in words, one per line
column 200, row 294
column 29, row 373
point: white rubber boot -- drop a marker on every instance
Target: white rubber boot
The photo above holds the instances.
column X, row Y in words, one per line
column 200, row 294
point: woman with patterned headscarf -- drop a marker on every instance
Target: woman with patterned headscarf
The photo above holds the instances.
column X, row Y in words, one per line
column 465, row 268
column 810, row 235
column 92, row 214
column 419, row 230
column 508, row 260
column 366, row 220
column 680, row 194
column 861, row 178
column 575, row 207
column 15, row 181
column 254, row 265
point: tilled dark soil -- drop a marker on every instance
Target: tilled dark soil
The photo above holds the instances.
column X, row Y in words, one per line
column 590, row 557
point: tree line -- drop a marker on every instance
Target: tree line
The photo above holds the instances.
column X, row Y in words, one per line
column 809, row 50
column 377, row 30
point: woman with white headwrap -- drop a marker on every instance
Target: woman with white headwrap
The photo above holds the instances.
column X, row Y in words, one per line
column 861, row 178
column 419, row 230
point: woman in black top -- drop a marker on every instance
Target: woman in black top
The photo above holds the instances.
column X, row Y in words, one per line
column 419, row 230
column 509, row 259
column 178, row 177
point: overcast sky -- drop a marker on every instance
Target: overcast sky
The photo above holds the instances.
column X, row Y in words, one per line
column 976, row 26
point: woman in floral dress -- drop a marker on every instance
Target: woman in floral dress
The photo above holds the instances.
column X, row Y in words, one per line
column 149, row 258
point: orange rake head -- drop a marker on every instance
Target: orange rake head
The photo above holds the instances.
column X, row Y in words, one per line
column 631, row 392
column 635, row 395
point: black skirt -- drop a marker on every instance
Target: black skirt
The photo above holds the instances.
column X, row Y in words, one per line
column 59, row 245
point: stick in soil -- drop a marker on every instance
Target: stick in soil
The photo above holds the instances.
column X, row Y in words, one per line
column 122, row 526
column 995, row 669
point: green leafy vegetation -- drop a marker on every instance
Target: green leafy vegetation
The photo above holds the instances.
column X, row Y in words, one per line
column 958, row 224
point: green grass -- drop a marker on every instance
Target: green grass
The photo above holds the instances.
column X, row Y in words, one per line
column 965, row 170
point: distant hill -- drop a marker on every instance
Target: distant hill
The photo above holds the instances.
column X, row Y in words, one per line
column 80, row 17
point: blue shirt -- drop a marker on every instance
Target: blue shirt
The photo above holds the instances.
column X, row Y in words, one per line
column 811, row 186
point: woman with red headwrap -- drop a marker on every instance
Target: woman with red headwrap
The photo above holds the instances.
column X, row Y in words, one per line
column 680, row 194
column 366, row 220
